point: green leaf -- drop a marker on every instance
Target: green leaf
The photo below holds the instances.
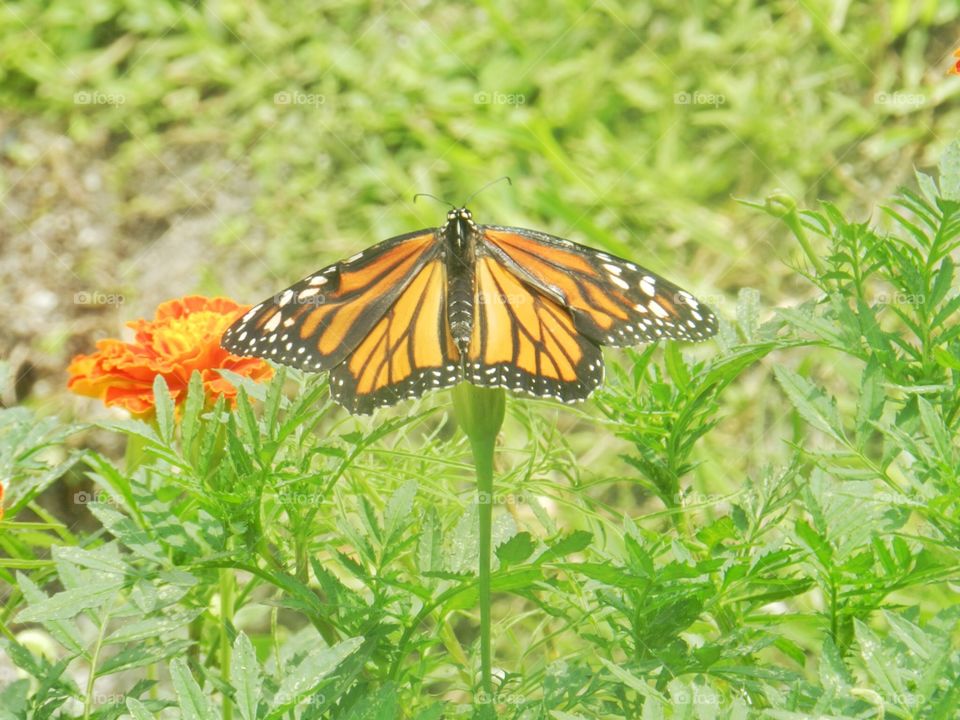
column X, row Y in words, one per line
column 69, row 603
column 935, row 429
column 246, row 677
column 66, row 633
column 140, row 655
column 196, row 398
column 516, row 549
column 164, row 406
column 152, row 627
column 194, row 705
column 429, row 545
column 950, row 172
column 399, row 509
column 815, row 542
column 574, row 542
column 300, row 682
column 811, row 402
column 872, row 398
column 927, row 186
column 138, row 710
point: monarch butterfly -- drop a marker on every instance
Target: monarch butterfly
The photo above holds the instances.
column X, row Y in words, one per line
column 495, row 306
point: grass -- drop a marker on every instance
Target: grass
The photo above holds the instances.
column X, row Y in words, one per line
column 761, row 527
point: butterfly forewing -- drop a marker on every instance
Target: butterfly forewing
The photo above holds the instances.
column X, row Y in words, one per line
column 612, row 300
column 314, row 324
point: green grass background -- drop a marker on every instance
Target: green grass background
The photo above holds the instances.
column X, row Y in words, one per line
column 153, row 148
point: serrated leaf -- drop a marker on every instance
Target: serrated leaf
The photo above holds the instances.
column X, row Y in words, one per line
column 140, row 655
column 811, row 402
column 67, row 604
column 152, row 627
column 196, row 398
column 138, row 710
column 300, row 682
column 516, row 549
column 567, row 545
column 872, row 398
column 399, row 507
column 194, row 705
column 164, row 408
column 927, row 186
column 429, row 547
column 66, row 633
column 950, row 172
column 246, row 677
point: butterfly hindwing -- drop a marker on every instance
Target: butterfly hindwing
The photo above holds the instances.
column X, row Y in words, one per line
column 314, row 324
column 523, row 340
column 612, row 300
column 408, row 352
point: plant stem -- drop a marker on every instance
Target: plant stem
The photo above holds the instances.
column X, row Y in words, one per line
column 480, row 413
column 483, row 459
column 226, row 618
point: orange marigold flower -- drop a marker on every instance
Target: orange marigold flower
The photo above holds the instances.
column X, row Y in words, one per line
column 183, row 337
column 955, row 69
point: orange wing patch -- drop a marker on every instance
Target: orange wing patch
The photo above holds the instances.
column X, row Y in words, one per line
column 524, row 340
column 409, row 351
column 611, row 300
column 318, row 322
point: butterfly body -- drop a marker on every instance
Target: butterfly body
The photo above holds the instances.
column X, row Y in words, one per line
column 496, row 306
column 460, row 239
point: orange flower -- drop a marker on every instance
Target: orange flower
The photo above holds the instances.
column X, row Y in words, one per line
column 184, row 336
column 955, row 69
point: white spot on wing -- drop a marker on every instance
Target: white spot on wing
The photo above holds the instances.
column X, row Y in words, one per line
column 273, row 323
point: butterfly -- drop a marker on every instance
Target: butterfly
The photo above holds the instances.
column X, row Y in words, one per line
column 491, row 305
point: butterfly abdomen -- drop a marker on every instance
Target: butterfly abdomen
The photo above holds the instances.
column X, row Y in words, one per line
column 460, row 309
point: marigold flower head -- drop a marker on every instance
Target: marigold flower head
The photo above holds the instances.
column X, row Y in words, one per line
column 955, row 68
column 183, row 337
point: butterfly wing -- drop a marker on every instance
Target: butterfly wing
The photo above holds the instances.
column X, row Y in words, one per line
column 612, row 300
column 409, row 351
column 526, row 341
column 315, row 324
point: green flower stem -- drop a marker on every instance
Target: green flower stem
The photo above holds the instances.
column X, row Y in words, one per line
column 226, row 618
column 480, row 413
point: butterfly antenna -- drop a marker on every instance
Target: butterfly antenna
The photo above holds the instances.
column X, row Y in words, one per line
column 434, row 197
column 492, row 182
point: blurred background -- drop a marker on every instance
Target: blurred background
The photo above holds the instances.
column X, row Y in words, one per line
column 151, row 148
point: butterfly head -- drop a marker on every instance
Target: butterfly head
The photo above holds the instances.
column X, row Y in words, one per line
column 459, row 228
